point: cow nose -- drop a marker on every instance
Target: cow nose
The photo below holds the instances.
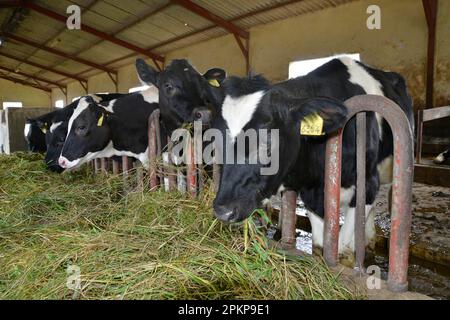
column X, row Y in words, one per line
column 62, row 162
column 225, row 214
column 202, row 115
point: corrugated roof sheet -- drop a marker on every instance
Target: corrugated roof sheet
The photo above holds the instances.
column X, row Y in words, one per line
column 129, row 21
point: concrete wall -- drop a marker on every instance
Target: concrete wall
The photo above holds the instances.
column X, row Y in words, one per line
column 400, row 46
column 30, row 97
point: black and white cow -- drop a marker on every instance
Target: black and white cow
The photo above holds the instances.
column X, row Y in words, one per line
column 252, row 103
column 185, row 95
column 56, row 131
column 35, row 135
column 115, row 128
column 442, row 157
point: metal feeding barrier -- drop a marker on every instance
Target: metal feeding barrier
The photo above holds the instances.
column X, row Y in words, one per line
column 170, row 176
column 401, row 189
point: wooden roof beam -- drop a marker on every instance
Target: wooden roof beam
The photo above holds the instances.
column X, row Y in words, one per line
column 46, row 68
column 231, row 27
column 25, row 83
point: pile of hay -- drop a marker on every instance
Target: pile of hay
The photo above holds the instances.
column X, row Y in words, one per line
column 140, row 246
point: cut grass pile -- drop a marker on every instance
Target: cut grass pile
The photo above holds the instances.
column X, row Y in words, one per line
column 140, row 246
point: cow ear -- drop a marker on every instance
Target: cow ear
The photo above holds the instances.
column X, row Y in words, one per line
column 147, row 75
column 215, row 76
column 318, row 116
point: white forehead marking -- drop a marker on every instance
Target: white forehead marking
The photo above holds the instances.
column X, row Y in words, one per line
column 55, row 126
column 82, row 105
column 359, row 76
column 151, row 95
column 26, row 130
column 237, row 112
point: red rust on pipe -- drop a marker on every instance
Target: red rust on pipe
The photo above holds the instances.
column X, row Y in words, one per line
column 402, row 182
column 360, row 210
column 332, row 189
column 125, row 165
column 289, row 220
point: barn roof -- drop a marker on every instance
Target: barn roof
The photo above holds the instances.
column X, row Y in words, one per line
column 40, row 50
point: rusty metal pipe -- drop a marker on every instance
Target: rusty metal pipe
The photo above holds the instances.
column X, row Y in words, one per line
column 360, row 210
column 332, row 189
column 289, row 220
column 401, row 186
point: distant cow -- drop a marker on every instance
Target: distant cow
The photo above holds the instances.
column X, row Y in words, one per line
column 115, row 128
column 252, row 103
column 34, row 136
column 55, row 123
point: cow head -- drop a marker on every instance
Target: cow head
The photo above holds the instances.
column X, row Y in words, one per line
column 184, row 94
column 34, row 133
column 88, row 133
column 55, row 139
column 251, row 103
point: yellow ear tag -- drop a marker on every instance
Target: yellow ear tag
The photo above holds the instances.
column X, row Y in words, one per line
column 214, row 83
column 44, row 129
column 100, row 121
column 312, row 125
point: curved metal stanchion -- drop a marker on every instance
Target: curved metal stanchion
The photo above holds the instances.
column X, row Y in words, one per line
column 401, row 187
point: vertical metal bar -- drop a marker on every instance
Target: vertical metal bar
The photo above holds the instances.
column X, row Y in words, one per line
column 419, row 139
column 96, row 165
column 401, row 207
column 360, row 212
column 216, row 176
column 191, row 168
column 115, row 167
column 103, row 165
column 288, row 211
column 152, row 150
column 170, row 171
column 333, row 160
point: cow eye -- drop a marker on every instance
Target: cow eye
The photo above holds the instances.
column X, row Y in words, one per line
column 169, row 89
column 81, row 130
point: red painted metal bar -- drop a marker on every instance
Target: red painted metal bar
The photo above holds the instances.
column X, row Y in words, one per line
column 333, row 159
column 104, row 165
column 231, row 27
column 153, row 120
column 360, row 211
column 401, row 186
column 25, row 83
column 289, row 217
column 191, row 172
column 40, row 66
column 59, row 53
